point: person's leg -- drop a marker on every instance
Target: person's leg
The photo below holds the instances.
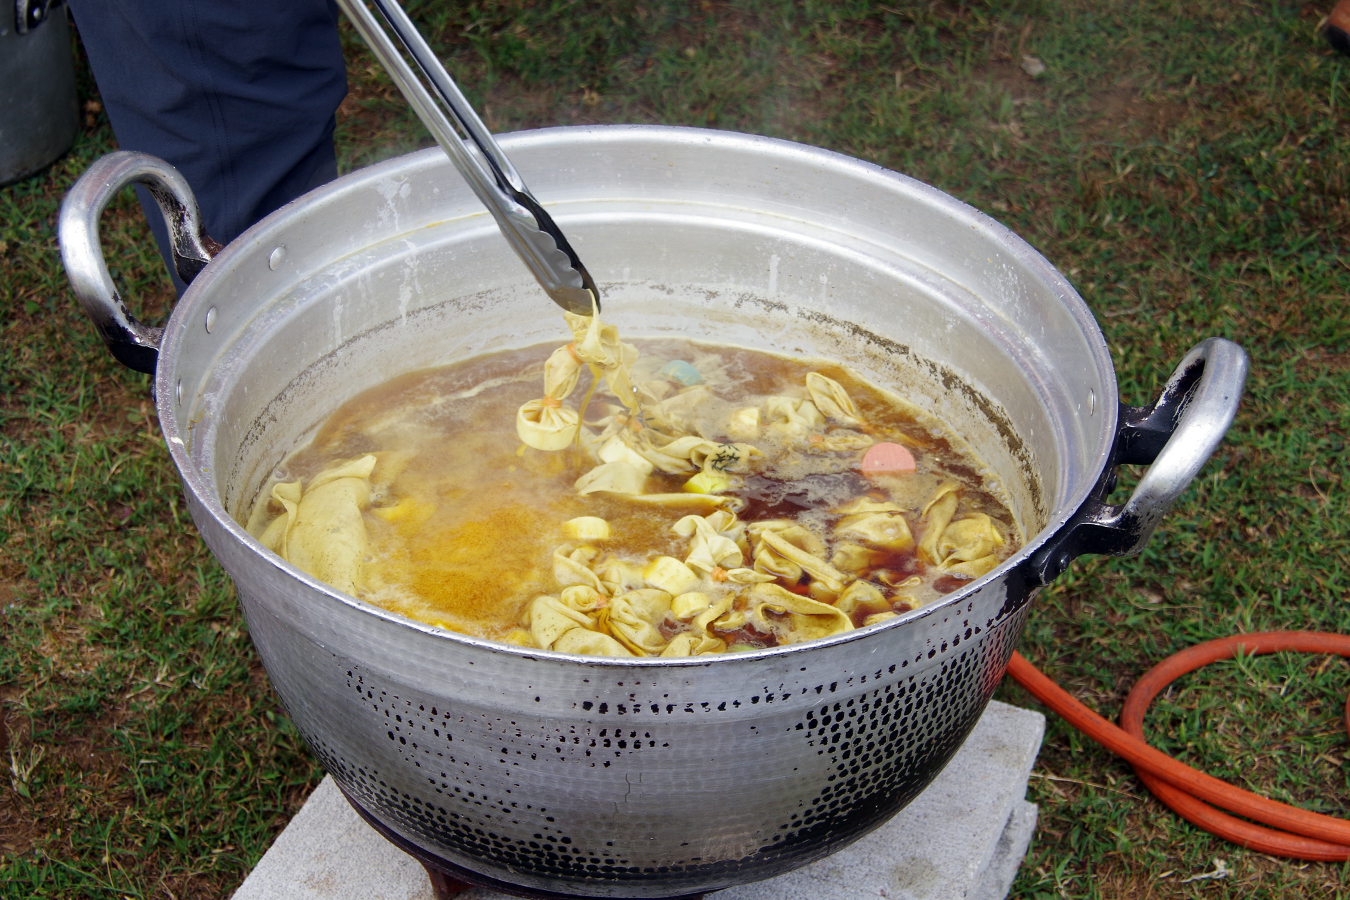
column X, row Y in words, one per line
column 238, row 95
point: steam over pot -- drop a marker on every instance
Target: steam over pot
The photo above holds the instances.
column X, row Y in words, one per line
column 656, row 777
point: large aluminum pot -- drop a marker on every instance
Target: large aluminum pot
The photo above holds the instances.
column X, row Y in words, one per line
column 653, row 777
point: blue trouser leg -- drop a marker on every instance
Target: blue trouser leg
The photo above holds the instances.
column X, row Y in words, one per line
column 239, row 95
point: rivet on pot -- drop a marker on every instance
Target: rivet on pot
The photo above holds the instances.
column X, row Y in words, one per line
column 1092, row 402
column 210, row 319
column 276, row 256
column 178, row 391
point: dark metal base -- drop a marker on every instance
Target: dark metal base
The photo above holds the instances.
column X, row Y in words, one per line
column 449, row 880
column 443, row 887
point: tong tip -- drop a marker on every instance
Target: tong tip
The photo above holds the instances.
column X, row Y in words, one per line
column 580, row 301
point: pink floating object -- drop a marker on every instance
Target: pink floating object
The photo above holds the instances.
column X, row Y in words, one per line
column 888, row 459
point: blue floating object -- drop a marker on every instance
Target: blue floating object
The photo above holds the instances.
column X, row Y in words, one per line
column 681, row 371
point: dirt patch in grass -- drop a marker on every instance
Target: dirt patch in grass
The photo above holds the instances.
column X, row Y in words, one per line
column 1008, row 75
column 1122, row 112
column 18, row 830
column 46, row 782
column 9, row 593
column 1320, row 360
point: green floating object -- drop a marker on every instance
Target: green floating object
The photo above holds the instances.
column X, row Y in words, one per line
column 681, row 371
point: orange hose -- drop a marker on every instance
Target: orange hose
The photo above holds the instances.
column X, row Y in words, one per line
column 1304, row 835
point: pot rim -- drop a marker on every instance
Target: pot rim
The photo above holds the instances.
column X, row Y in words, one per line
column 199, row 291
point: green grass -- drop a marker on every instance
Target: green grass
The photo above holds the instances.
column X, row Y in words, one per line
column 1184, row 164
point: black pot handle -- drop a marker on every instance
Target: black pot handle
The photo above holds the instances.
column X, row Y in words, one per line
column 135, row 345
column 1173, row 437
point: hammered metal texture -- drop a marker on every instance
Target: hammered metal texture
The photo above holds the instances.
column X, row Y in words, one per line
column 645, row 790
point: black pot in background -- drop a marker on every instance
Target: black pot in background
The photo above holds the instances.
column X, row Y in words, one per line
column 39, row 112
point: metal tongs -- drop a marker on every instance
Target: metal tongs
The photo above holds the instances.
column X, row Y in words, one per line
column 531, row 231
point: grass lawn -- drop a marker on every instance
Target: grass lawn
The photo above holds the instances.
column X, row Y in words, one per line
column 1186, row 165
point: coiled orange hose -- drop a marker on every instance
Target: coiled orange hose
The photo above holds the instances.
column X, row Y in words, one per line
column 1296, row 833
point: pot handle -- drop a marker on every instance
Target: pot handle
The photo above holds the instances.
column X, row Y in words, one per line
column 1173, row 437
column 133, row 344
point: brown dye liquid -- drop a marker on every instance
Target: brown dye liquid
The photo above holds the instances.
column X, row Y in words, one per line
column 478, row 547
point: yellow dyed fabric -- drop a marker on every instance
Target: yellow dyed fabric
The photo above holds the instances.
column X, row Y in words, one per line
column 968, row 546
column 831, row 399
column 617, row 576
column 875, row 524
column 616, row 449
column 545, row 424
column 708, row 548
column 700, row 611
column 571, row 565
column 972, row 537
column 633, row 619
column 614, row 477
column 556, row 626
column 598, row 344
column 321, row 531
column 855, row 559
column 838, row 441
column 808, row 618
column 936, row 515
column 817, row 568
column 670, row 575
column 862, row 596
column 688, row 644
column 792, row 415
